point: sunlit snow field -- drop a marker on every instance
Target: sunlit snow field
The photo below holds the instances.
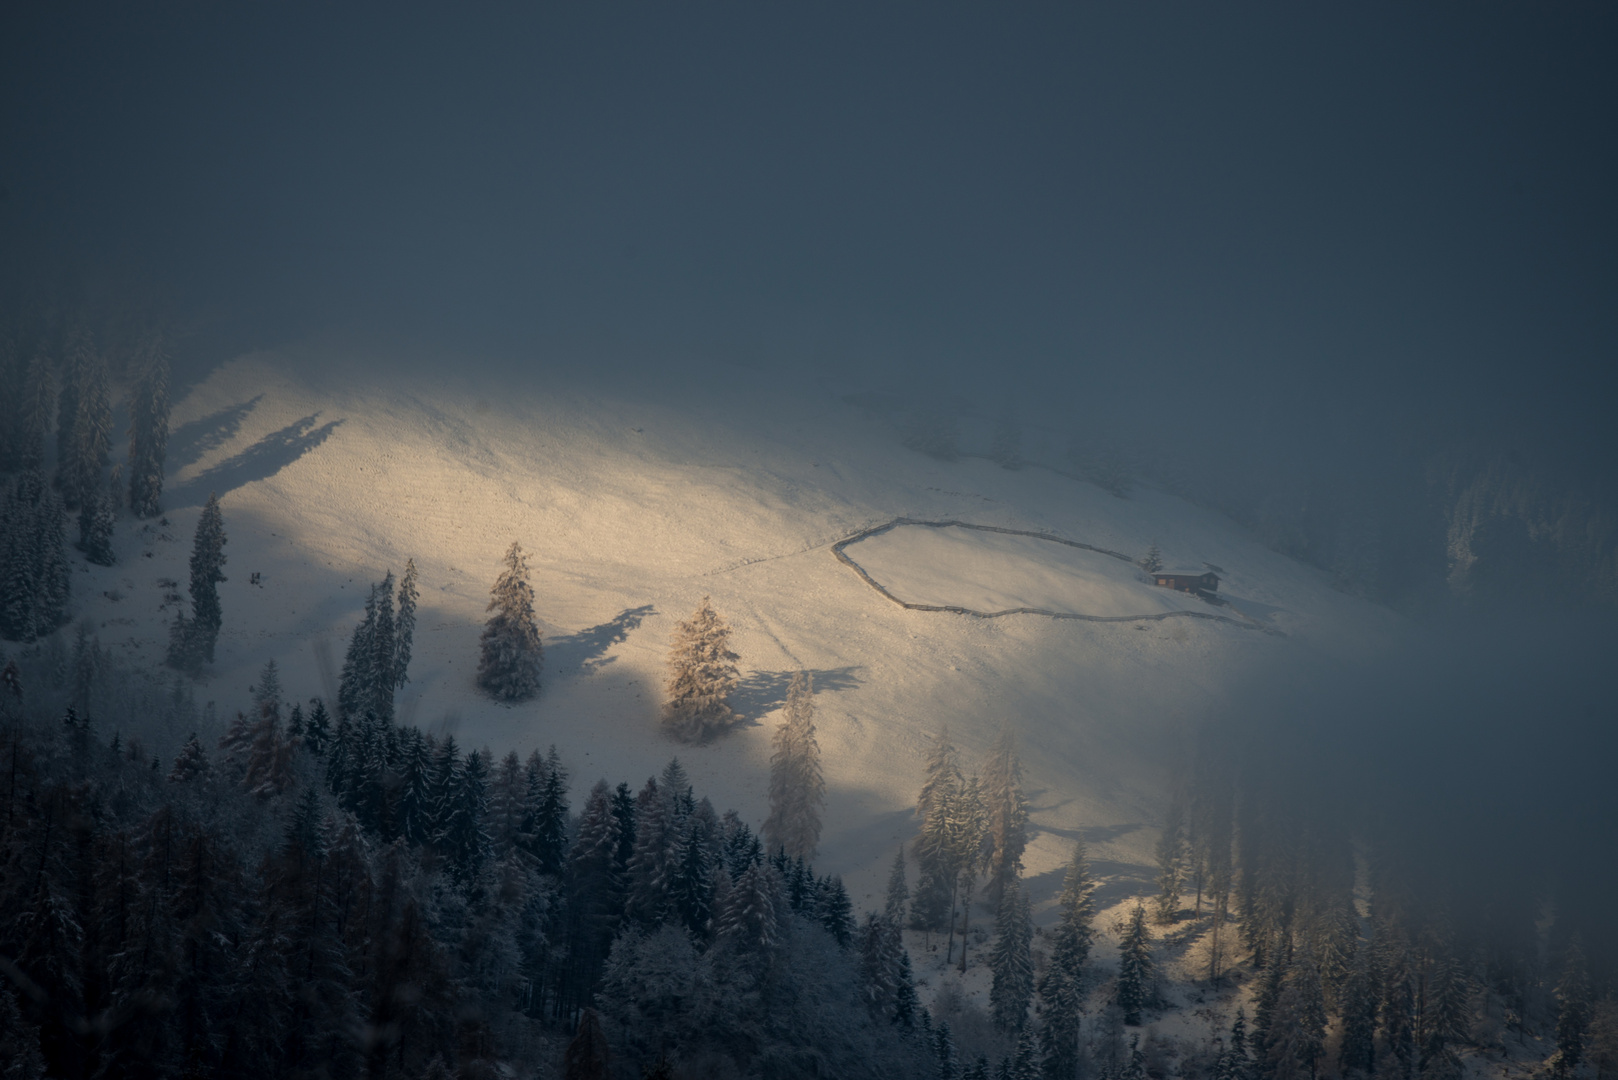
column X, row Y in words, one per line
column 635, row 497
column 992, row 572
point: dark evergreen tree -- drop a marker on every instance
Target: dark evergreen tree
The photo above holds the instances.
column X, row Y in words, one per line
column 191, row 644
column 1295, row 1032
column 594, row 899
column 1357, row 1051
column 797, row 788
column 508, row 667
column 690, row 894
column 148, row 428
column 415, row 813
column 98, row 517
column 897, row 897
column 1171, row 860
column 379, row 676
column 930, row 904
column 1060, row 985
column 549, row 830
column 317, row 729
column 587, row 1057
column 19, row 1041
column 34, row 571
column 461, row 833
column 702, row 673
column 1007, row 808
column 84, row 433
column 405, row 625
column 34, row 414
column 1573, row 1010
column 1134, row 991
column 1011, row 960
column 834, row 909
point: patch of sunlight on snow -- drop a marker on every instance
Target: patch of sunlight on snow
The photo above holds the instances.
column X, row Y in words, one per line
column 990, row 572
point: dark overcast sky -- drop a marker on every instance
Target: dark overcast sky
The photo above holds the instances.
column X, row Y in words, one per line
column 1400, row 201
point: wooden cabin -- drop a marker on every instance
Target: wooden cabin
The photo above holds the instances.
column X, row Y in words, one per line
column 1188, row 581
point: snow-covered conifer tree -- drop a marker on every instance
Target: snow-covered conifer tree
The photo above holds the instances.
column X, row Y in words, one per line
column 317, row 728
column 34, row 414
column 1060, row 991
column 508, row 669
column 1152, row 561
column 354, row 691
column 380, row 678
column 702, row 673
column 191, row 763
column 1011, row 959
column 98, row 515
column 1007, row 808
column 898, row 894
column 935, row 875
column 192, row 642
column 797, row 788
column 148, row 428
column 1134, row 991
column 267, row 691
column 1171, row 856
column 750, row 921
column 1573, row 1009
column 404, row 630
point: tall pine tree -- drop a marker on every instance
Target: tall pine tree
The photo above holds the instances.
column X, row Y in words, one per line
column 1007, row 815
column 191, row 642
column 508, row 669
column 1011, row 959
column 797, row 788
column 1134, row 990
column 702, row 673
column 148, row 427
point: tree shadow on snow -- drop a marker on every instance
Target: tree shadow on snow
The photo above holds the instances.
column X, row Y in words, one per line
column 761, row 692
column 1115, row 881
column 193, row 441
column 584, row 652
column 260, row 461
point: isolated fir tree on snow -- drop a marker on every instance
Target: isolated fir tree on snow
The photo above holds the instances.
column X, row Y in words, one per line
column 797, row 788
column 1007, row 809
column 508, row 669
column 702, row 673
column 1152, row 562
column 191, row 642
column 1134, row 990
column 148, row 428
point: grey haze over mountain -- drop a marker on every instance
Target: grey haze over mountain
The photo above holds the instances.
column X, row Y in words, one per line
column 1386, row 210
column 1318, row 266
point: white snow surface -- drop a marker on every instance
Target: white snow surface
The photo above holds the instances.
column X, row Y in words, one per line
column 993, row 572
column 635, row 496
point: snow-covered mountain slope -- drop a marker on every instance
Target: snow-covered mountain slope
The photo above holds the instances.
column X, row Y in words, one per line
column 636, row 496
